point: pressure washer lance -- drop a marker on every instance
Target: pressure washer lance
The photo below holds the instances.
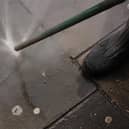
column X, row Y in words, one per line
column 100, row 7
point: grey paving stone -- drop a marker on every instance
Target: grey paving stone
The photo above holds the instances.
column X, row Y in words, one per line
column 93, row 114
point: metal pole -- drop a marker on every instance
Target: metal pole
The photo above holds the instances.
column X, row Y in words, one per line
column 100, row 7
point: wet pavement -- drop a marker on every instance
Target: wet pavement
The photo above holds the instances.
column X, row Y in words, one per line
column 115, row 83
column 46, row 79
column 94, row 113
column 43, row 76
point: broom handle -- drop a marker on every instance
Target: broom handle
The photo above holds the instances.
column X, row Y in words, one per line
column 98, row 8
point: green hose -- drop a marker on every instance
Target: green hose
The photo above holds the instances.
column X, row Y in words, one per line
column 100, row 7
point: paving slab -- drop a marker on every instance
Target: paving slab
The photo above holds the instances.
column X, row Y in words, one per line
column 115, row 83
column 116, row 86
column 39, row 77
column 95, row 113
column 43, row 76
